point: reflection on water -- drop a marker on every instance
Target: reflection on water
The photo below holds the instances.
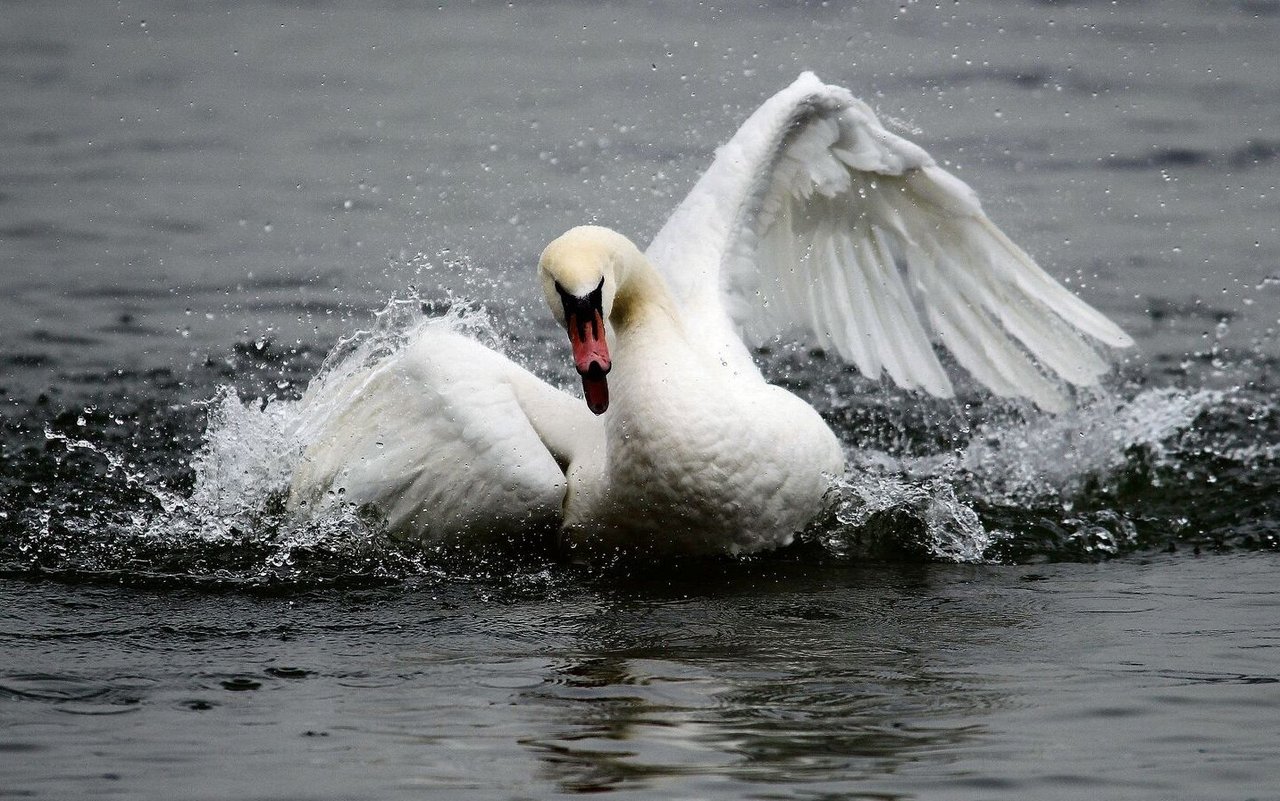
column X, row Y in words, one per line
column 774, row 679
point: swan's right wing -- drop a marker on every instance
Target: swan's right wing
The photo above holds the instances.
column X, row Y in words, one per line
column 815, row 218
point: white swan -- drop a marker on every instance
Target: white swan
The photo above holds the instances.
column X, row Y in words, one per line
column 813, row 219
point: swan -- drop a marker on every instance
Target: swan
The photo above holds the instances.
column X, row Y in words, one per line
column 813, row 220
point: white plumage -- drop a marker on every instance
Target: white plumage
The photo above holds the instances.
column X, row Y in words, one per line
column 801, row 224
column 813, row 220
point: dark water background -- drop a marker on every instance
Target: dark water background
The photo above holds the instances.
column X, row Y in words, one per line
column 198, row 200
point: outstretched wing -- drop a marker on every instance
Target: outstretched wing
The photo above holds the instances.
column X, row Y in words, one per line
column 816, row 218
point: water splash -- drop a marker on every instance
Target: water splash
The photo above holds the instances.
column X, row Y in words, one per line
column 248, row 454
column 1114, row 475
column 1126, row 470
column 1054, row 456
column 93, row 512
column 880, row 515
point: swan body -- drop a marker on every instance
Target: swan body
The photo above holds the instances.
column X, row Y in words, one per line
column 814, row 220
column 696, row 457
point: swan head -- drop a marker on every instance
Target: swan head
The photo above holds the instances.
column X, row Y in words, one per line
column 580, row 272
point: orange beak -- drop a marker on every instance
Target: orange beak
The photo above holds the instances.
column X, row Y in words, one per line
column 584, row 319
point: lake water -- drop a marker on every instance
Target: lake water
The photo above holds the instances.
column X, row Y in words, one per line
column 197, row 202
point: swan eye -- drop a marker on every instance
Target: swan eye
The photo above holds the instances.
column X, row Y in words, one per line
column 596, row 296
column 582, row 311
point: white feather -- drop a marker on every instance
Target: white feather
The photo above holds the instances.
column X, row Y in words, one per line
column 813, row 219
column 816, row 218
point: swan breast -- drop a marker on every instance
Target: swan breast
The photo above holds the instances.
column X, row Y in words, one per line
column 739, row 474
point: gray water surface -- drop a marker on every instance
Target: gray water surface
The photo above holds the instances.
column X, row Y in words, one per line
column 1139, row 679
column 196, row 196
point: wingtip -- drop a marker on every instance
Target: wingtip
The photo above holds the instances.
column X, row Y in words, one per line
column 807, row 77
column 1101, row 328
column 1052, row 403
column 1121, row 339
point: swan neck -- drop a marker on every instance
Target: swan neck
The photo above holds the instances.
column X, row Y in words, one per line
column 642, row 295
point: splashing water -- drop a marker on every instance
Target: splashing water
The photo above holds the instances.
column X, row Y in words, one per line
column 1120, row 472
column 1078, row 485
column 234, row 525
column 881, row 515
column 1048, row 457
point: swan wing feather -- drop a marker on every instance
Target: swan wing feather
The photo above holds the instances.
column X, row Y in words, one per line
column 816, row 219
column 442, row 436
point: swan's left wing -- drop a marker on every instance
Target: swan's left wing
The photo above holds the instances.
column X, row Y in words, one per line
column 815, row 217
column 444, row 436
